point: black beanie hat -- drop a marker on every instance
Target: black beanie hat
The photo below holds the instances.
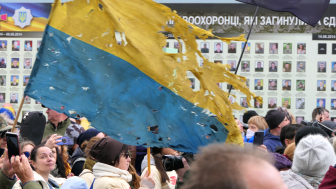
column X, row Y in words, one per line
column 308, row 130
column 330, row 124
column 274, row 118
column 247, row 115
column 106, row 150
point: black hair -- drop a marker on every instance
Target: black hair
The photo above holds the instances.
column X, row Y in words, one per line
column 289, row 132
column 317, row 111
column 158, row 163
column 124, row 149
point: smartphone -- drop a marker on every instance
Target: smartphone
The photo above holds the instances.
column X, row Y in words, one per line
column 66, row 141
column 1, row 151
column 13, row 145
column 258, row 138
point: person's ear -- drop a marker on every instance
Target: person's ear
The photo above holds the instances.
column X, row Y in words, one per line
column 33, row 163
column 287, row 142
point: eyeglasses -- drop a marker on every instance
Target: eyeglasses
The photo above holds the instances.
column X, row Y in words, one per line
column 3, row 134
column 127, row 154
column 27, row 154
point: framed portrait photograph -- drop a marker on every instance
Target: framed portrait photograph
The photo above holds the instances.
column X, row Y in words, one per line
column 218, row 47
column 300, row 103
column 272, row 102
column 243, row 102
column 272, row 84
column 232, row 64
column 321, row 85
column 301, row 66
column 287, row 48
column 320, row 102
column 286, row 103
column 273, row 66
column 28, row 45
column 247, row 48
column 232, row 48
column 333, row 85
column 286, row 85
column 257, row 104
column 300, row 85
column 178, row 47
column 258, row 84
column 299, row 119
column 245, row 66
column 287, row 66
column 14, row 98
column 14, row 80
column 3, row 45
column 3, row 63
column 27, row 63
column 301, row 48
column 205, row 47
column 259, row 49
column 273, row 48
column 25, row 80
column 3, row 80
column 15, row 63
column 16, row 45
column 321, row 66
column 259, row 66
column 2, row 97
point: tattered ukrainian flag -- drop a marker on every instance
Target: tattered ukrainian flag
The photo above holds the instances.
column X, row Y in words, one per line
column 133, row 92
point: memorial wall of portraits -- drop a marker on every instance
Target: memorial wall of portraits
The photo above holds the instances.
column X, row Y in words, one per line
column 288, row 70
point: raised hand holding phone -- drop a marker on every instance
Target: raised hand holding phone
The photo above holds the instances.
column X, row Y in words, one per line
column 53, row 140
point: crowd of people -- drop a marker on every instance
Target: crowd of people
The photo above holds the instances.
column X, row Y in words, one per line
column 291, row 155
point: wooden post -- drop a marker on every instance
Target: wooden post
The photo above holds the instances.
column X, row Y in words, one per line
column 18, row 114
column 148, row 159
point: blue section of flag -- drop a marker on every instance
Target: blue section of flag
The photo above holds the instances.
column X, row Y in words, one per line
column 309, row 11
column 74, row 77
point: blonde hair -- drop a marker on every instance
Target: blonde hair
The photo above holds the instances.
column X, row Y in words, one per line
column 25, row 143
column 259, row 122
column 89, row 144
column 289, row 151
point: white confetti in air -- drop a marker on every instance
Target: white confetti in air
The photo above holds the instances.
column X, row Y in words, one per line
column 85, row 88
column 206, row 93
column 69, row 39
column 72, row 112
column 51, row 88
column 80, row 35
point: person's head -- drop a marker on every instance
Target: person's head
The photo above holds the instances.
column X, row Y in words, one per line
column 205, row 45
column 248, row 115
column 289, row 151
column 321, row 65
column 331, row 125
column 272, row 83
column 259, row 46
column 287, row 46
column 27, row 62
column 321, row 103
column 28, row 44
column 231, row 46
column 42, row 159
column 301, row 47
column 13, row 97
column 15, row 62
column 54, row 116
column 287, row 65
column 239, row 125
column 177, row 45
column 276, row 120
column 326, row 115
column 111, row 152
column 1, row 96
column 85, row 137
column 257, row 123
column 317, row 111
column 26, row 147
column 3, row 44
column 334, row 102
column 231, row 99
column 287, row 135
column 334, row 84
column 258, row 82
column 274, row 47
column 321, row 84
column 245, row 64
column 15, row 44
column 2, row 61
column 273, row 65
column 225, row 165
column 244, row 101
column 286, row 83
column 257, row 103
column 218, row 46
column 259, row 64
column 14, row 78
column 313, row 155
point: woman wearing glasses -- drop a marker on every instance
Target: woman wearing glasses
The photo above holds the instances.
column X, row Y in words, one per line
column 111, row 169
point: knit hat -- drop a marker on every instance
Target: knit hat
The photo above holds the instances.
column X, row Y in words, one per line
column 274, row 118
column 313, row 156
column 308, row 130
column 330, row 125
column 86, row 136
column 3, row 124
column 281, row 161
column 106, row 150
column 247, row 115
column 73, row 131
column 289, row 151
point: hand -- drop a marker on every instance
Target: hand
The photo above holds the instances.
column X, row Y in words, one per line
column 22, row 168
column 1, row 161
column 148, row 177
column 52, row 141
column 180, row 172
column 262, row 148
column 6, row 165
column 70, row 175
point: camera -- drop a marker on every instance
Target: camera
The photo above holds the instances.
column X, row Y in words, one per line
column 171, row 163
column 319, row 125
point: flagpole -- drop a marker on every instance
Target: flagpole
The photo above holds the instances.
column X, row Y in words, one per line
column 18, row 114
column 242, row 53
column 148, row 160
